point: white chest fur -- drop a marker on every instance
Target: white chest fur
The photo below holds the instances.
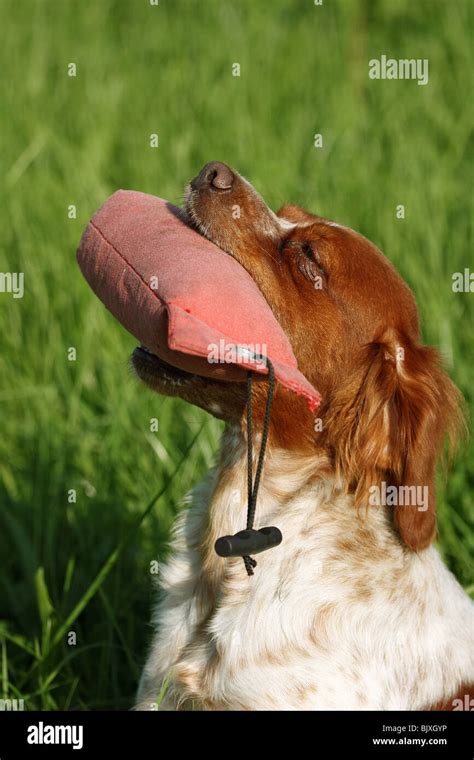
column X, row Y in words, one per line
column 339, row 616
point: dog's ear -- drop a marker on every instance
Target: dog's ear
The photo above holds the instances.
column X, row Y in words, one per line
column 387, row 425
column 295, row 214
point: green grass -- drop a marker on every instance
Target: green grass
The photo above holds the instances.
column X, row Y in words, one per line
column 84, row 567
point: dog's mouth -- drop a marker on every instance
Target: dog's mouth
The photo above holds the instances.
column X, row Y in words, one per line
column 224, row 400
column 166, row 378
column 151, row 369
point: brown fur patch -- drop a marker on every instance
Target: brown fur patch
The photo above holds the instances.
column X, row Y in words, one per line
column 463, row 699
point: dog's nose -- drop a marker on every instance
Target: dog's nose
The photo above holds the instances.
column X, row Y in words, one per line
column 216, row 175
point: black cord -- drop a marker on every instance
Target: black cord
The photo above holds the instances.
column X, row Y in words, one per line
column 252, row 489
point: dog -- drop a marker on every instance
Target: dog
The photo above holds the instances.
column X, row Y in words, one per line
column 355, row 610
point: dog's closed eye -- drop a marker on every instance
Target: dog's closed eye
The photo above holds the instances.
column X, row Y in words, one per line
column 307, row 258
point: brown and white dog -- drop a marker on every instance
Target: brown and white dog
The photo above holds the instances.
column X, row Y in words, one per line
column 355, row 609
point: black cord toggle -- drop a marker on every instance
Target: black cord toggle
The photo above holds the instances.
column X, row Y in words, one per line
column 251, row 541
column 247, row 542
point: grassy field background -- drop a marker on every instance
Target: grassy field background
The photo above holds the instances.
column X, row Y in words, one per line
column 84, row 567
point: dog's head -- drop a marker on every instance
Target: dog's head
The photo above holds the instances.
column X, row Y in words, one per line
column 353, row 326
